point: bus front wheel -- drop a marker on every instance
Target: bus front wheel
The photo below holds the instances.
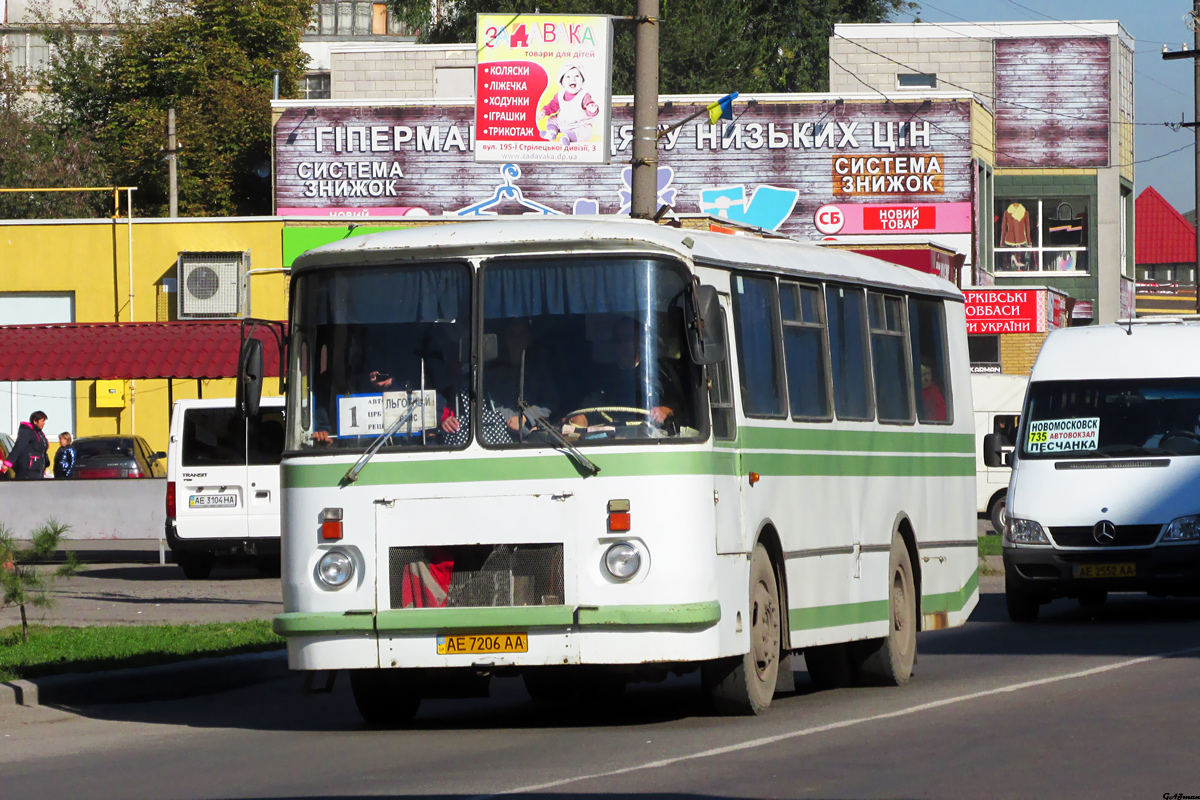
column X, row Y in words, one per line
column 889, row 661
column 384, row 696
column 746, row 685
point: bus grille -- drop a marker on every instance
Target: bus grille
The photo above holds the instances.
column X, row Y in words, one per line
column 1125, row 536
column 479, row 575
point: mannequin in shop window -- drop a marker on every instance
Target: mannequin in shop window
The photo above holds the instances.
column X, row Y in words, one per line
column 1015, row 227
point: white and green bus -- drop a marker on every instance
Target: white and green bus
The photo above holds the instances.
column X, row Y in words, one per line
column 595, row 451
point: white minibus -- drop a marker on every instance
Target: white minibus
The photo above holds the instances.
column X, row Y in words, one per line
column 998, row 401
column 590, row 451
column 1104, row 487
column 223, row 484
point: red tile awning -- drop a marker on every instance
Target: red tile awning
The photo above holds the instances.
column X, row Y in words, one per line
column 1163, row 235
column 125, row 350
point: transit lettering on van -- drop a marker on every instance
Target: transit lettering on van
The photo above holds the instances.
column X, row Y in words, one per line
column 1060, row 435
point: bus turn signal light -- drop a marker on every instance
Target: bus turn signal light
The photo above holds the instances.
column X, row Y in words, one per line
column 331, row 523
column 754, row 476
column 618, row 516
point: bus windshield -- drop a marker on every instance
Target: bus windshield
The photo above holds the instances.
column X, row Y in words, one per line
column 593, row 347
column 1113, row 418
column 372, row 347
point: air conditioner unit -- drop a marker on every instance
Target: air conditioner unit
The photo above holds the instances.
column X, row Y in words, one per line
column 210, row 284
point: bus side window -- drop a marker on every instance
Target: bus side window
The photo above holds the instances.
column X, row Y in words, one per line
column 724, row 421
column 893, row 388
column 806, row 350
column 927, row 330
column 756, row 314
column 848, row 352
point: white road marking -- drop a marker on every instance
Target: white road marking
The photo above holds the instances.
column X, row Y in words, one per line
column 833, row 726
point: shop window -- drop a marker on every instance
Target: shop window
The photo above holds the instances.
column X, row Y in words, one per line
column 893, row 391
column 1042, row 235
column 984, row 350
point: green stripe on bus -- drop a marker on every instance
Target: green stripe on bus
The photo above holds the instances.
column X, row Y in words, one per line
column 301, row 623
column 950, row 601
column 874, row 440
column 473, row 619
column 656, row 616
column 616, row 465
column 800, row 619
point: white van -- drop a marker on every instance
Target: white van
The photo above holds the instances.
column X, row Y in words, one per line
column 223, row 484
column 997, row 400
column 1104, row 494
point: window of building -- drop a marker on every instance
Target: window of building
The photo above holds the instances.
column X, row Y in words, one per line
column 984, row 352
column 352, row 18
column 847, row 317
column 916, row 80
column 315, row 86
column 755, row 314
column 25, row 50
column 927, row 333
column 893, row 387
column 1042, row 234
column 804, row 348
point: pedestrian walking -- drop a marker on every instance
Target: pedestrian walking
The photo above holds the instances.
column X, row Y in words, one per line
column 64, row 459
column 28, row 456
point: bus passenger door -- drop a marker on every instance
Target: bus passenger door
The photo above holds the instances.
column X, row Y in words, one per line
column 727, row 456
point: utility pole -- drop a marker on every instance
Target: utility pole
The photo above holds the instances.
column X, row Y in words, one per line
column 644, row 200
column 1193, row 22
column 171, row 159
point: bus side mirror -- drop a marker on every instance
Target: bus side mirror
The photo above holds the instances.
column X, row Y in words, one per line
column 993, row 453
column 705, row 334
column 250, row 377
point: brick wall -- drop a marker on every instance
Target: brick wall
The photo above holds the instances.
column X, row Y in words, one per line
column 964, row 62
column 1018, row 351
column 392, row 72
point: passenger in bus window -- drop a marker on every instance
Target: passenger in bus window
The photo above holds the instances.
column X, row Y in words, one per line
column 622, row 383
column 933, row 399
column 502, row 378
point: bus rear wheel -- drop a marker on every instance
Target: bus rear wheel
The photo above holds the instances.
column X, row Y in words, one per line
column 746, row 685
column 384, row 696
column 889, row 661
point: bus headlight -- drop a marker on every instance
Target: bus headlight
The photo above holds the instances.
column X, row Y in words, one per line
column 335, row 568
column 622, row 561
column 1184, row 529
column 1024, row 531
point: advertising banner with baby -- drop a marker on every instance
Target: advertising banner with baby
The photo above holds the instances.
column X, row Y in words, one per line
column 543, row 88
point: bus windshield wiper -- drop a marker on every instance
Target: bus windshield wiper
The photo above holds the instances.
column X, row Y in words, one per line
column 352, row 474
column 573, row 451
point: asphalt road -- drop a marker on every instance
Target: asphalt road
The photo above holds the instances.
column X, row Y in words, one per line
column 1080, row 704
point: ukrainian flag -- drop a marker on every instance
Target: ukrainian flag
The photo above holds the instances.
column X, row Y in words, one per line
column 722, row 109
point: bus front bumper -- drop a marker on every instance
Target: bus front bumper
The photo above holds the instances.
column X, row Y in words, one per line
column 554, row 635
column 1172, row 569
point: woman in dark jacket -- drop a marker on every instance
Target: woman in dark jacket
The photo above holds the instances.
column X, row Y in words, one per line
column 28, row 456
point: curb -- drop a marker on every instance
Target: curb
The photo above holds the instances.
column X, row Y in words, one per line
column 147, row 684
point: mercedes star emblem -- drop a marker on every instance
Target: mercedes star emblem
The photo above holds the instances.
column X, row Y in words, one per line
column 1104, row 532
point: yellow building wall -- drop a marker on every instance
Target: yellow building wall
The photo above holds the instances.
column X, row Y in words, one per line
column 91, row 259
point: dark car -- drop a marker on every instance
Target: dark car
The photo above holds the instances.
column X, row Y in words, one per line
column 117, row 457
